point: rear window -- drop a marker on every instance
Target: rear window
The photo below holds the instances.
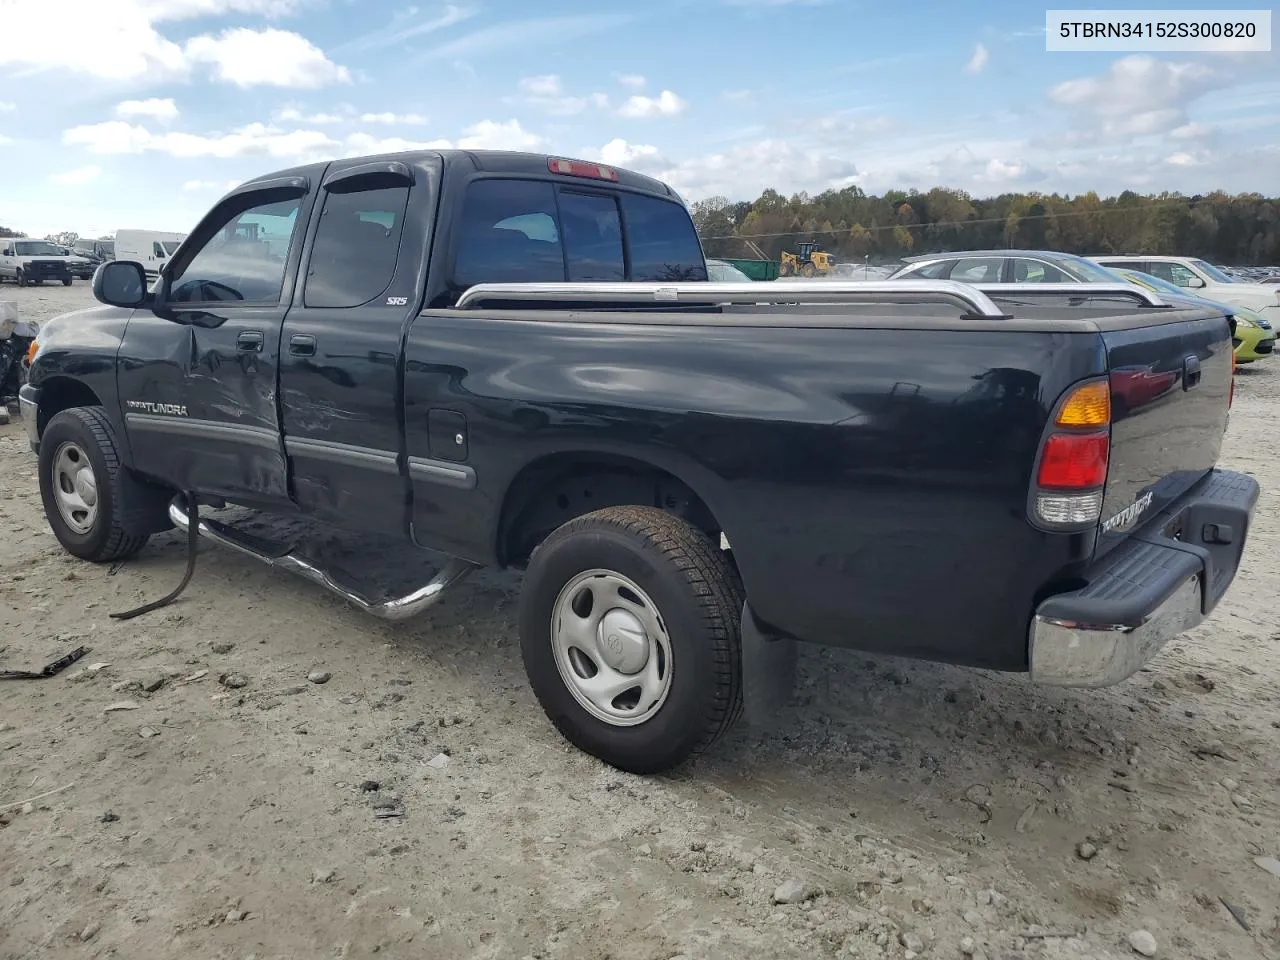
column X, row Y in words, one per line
column 664, row 245
column 592, row 236
column 508, row 234
column 535, row 231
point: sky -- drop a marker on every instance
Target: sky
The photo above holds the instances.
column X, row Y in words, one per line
column 140, row 113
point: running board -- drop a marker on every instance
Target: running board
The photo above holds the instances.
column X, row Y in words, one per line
column 395, row 608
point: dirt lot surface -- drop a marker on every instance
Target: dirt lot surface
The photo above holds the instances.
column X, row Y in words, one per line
column 418, row 804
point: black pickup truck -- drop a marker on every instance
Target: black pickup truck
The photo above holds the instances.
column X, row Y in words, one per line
column 517, row 361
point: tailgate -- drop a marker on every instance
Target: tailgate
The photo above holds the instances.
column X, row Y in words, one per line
column 1170, row 391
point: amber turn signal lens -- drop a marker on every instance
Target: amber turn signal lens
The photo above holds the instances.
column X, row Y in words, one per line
column 31, row 352
column 1088, row 405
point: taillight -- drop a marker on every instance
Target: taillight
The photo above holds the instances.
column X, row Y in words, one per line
column 580, row 168
column 1075, row 456
column 1074, row 461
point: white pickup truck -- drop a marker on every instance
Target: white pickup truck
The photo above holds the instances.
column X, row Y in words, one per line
column 1205, row 280
column 24, row 260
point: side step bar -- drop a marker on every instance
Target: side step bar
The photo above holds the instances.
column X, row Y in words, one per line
column 395, row 608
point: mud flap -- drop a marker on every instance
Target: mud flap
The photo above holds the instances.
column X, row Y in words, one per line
column 768, row 671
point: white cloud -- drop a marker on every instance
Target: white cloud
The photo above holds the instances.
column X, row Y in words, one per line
column 294, row 115
column 1190, row 131
column 1003, row 171
column 7, row 107
column 210, row 186
column 524, row 35
column 737, row 96
column 400, row 119
column 406, row 26
column 118, row 137
column 547, row 93
column 978, row 62
column 120, row 41
column 632, row 80
column 363, row 144
column 154, row 108
column 1137, row 96
column 665, row 104
column 494, row 135
column 619, row 153
column 1184, row 159
column 747, row 169
column 114, row 41
column 185, row 9
column 269, row 57
column 77, row 177
column 544, row 86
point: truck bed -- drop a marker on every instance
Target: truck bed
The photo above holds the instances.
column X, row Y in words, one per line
column 869, row 467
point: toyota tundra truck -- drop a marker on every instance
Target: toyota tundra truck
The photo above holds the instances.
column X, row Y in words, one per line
column 509, row 360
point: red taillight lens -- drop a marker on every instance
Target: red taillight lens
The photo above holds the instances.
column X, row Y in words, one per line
column 1074, row 461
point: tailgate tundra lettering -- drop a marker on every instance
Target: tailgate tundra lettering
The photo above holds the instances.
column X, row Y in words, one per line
column 1126, row 516
column 174, row 409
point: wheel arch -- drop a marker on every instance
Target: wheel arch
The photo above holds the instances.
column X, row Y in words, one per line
column 558, row 487
column 60, row 393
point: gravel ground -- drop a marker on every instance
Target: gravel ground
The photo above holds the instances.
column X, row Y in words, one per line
column 200, row 796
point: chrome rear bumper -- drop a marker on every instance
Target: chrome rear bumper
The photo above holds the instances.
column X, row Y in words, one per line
column 1073, row 654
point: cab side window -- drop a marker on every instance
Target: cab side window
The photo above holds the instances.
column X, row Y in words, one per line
column 356, row 247
column 244, row 260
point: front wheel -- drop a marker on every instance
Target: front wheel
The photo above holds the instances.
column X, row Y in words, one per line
column 21, row 278
column 81, row 479
column 629, row 627
column 66, row 281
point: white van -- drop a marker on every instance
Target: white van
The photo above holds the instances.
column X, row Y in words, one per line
column 151, row 248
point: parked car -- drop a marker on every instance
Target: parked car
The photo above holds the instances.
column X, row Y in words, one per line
column 94, row 253
column 721, row 272
column 691, row 477
column 1253, row 336
column 25, row 260
column 1197, row 276
column 1002, row 266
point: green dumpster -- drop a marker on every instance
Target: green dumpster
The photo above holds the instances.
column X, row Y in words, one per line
column 756, row 269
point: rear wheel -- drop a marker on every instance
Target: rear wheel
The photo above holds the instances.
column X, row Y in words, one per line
column 81, row 479
column 66, row 281
column 629, row 627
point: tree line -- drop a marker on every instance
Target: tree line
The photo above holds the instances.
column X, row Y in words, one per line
column 1232, row 229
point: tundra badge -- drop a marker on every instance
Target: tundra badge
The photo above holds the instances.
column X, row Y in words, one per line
column 146, row 406
column 1126, row 516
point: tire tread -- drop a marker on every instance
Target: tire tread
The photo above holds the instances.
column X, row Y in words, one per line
column 713, row 581
column 119, row 543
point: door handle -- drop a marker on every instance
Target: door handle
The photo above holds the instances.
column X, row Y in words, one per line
column 249, row 341
column 302, row 345
column 1190, row 372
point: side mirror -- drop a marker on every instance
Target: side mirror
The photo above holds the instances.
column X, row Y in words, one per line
column 120, row 283
column 1195, row 283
